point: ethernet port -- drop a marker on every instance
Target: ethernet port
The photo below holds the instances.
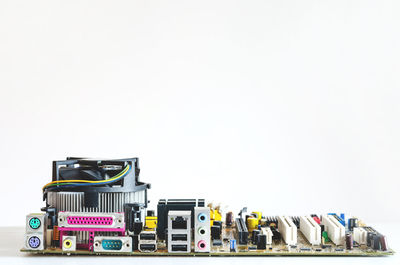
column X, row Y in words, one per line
column 179, row 223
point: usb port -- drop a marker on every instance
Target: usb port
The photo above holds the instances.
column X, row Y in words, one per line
column 179, row 248
column 179, row 237
column 147, row 236
column 147, row 247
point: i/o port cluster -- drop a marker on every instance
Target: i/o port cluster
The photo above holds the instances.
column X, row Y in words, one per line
column 179, row 231
column 202, row 229
column 35, row 231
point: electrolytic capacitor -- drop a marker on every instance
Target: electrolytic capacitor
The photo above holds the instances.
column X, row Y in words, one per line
column 383, row 243
column 229, row 219
column 252, row 223
column 349, row 241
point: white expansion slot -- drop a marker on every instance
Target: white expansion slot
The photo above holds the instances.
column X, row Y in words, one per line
column 336, row 231
column 267, row 231
column 360, row 235
column 287, row 229
column 310, row 229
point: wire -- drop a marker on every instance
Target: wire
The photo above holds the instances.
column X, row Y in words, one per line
column 72, row 183
column 81, row 182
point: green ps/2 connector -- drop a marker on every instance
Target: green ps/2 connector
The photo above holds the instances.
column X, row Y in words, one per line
column 35, row 223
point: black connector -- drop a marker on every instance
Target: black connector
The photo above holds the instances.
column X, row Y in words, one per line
column 179, row 223
column 242, row 232
column 179, row 237
column 147, row 247
column 216, row 232
column 147, row 236
column 179, row 247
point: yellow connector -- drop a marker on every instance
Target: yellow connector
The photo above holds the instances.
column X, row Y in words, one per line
column 151, row 222
column 215, row 214
column 67, row 243
column 211, row 216
column 259, row 214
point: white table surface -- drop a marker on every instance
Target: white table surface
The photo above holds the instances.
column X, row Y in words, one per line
column 12, row 238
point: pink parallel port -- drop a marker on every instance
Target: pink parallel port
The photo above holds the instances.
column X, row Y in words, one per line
column 89, row 220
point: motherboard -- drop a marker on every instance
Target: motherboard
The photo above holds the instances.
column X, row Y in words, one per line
column 100, row 207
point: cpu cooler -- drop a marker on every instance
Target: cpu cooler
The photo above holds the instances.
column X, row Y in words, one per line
column 90, row 185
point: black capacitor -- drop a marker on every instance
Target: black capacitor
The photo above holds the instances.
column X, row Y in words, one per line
column 322, row 228
column 383, row 243
column 229, row 219
column 349, row 241
column 219, row 223
column 261, row 241
column 376, row 242
column 215, row 232
column 352, row 222
column 254, row 237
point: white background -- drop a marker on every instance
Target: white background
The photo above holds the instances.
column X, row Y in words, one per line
column 287, row 107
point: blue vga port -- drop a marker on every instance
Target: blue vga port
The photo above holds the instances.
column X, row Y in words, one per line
column 111, row 244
